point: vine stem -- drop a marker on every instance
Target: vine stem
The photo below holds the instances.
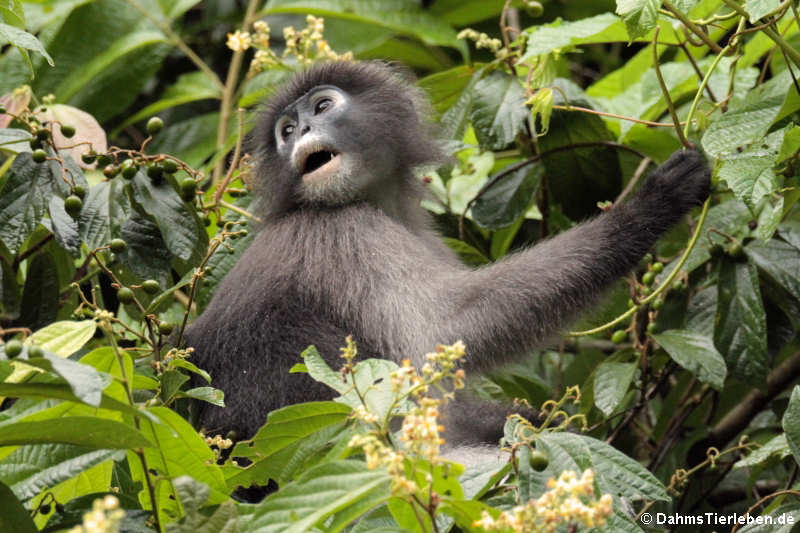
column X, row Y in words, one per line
column 790, row 51
column 661, row 288
column 699, row 93
column 226, row 109
column 693, row 27
column 665, row 90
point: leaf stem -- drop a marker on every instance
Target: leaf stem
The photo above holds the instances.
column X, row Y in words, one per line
column 703, row 84
column 693, row 27
column 665, row 90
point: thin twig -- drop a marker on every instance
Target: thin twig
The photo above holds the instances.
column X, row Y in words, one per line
column 665, row 90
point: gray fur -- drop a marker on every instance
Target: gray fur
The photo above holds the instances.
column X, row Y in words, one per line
column 372, row 267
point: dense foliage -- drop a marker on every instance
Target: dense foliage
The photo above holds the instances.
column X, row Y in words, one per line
column 675, row 397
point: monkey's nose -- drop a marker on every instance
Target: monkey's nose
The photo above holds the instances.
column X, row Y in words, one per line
column 305, row 129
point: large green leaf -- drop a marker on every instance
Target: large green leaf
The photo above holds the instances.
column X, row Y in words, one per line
column 758, row 8
column 696, row 353
column 288, row 438
column 65, row 337
column 91, row 432
column 343, row 489
column 742, row 126
column 14, row 516
column 611, row 383
column 780, row 260
column 41, row 292
column 615, row 472
column 791, row 423
column 741, row 325
column 749, row 173
column 498, row 110
column 508, row 199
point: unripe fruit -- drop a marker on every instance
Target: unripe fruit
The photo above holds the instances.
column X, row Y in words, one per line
column 539, row 460
column 651, row 327
column 73, row 205
column 165, row 328
column 79, row 191
column 13, row 348
column 151, row 286
column 648, row 278
column 110, row 171
column 155, row 172
column 67, row 130
column 39, row 155
column 125, row 295
column 154, row 125
column 658, row 267
column 104, row 160
column 129, row 169
column 170, row 166
column 42, row 134
column 118, row 246
column 35, row 143
column 35, row 351
column 89, row 158
column 619, row 336
column 188, row 189
column 657, row 304
column 736, row 250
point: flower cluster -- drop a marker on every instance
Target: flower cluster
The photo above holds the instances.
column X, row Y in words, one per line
column 105, row 517
column 306, row 45
column 420, row 432
column 481, row 39
column 569, row 500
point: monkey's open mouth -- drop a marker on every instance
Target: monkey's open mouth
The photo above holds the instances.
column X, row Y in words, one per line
column 320, row 163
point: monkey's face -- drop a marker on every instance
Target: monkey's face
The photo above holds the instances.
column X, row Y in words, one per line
column 325, row 141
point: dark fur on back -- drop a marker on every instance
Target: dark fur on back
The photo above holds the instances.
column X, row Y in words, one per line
column 317, row 274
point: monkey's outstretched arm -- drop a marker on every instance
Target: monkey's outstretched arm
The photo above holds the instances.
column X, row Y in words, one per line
column 508, row 307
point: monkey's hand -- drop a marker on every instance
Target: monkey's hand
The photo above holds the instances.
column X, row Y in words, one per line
column 682, row 182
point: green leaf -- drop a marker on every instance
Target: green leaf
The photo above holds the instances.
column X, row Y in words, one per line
column 193, row 140
column 740, row 325
column 740, row 127
column 86, row 383
column 171, row 382
column 65, row 228
column 611, row 383
column 749, row 173
column 190, row 87
column 146, row 255
column 14, row 516
column 791, row 423
column 22, row 39
column 41, row 292
column 498, row 110
column 758, row 8
column 508, row 199
column 696, row 353
column 105, row 209
column 273, row 449
column 615, row 472
column 777, row 447
column 344, row 489
column 193, row 496
column 33, row 468
column 14, row 140
column 183, row 231
column 560, row 34
column 206, row 394
column 640, row 16
column 88, row 431
column 25, row 198
column 780, row 260
column 64, row 338
column 467, row 253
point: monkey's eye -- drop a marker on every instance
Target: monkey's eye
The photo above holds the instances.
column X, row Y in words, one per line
column 322, row 105
column 287, row 130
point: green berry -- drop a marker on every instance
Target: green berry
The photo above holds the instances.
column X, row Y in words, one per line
column 118, row 246
column 110, row 171
column 13, row 348
column 2, row 110
column 129, row 169
column 651, row 327
column 42, row 134
column 534, row 9
column 165, row 328
column 244, row 233
column 657, row 304
column 539, row 460
column 648, row 278
column 35, row 143
column 151, row 286
column 79, row 191
column 619, row 336
column 645, row 291
column 67, row 130
column 170, row 166
column 155, row 172
column 39, row 155
column 206, row 220
column 188, row 189
column 88, row 158
column 716, row 250
column 125, row 295
column 631, row 303
column 154, row 125
column 736, row 250
column 237, row 193
column 658, row 267
column 73, row 205
column 35, row 351
column 104, row 160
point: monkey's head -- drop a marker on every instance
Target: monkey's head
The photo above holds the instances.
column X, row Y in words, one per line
column 341, row 132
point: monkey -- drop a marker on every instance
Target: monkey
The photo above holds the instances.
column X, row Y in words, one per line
column 346, row 249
